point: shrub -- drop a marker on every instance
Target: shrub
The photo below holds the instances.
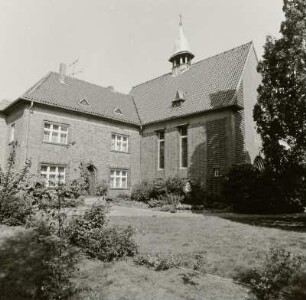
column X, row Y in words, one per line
column 123, row 196
column 166, row 200
column 98, row 240
column 249, row 190
column 16, row 209
column 15, row 206
column 47, row 197
column 37, row 264
column 143, row 191
column 157, row 261
column 296, row 289
column 278, row 273
column 175, row 185
column 101, row 189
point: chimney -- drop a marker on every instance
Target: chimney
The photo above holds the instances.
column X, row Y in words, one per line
column 62, row 73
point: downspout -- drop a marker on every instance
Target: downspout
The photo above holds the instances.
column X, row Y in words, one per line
column 140, row 154
column 28, row 130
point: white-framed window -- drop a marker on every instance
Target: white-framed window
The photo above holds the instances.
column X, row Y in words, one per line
column 120, row 142
column 12, row 133
column 55, row 133
column 183, row 146
column 52, row 175
column 161, row 149
column 118, row 179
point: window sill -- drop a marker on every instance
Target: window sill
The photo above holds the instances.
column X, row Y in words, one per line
column 116, row 151
column 53, row 143
column 120, row 189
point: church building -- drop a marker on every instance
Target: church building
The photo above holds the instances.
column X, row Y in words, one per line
column 194, row 122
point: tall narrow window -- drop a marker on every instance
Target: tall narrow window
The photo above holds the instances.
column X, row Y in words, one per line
column 183, row 147
column 12, row 133
column 161, row 149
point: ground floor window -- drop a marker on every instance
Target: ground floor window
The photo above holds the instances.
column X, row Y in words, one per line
column 52, row 175
column 118, row 179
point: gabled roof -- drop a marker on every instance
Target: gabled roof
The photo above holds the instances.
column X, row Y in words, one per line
column 209, row 84
column 101, row 101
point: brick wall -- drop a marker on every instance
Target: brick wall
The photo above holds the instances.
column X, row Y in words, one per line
column 89, row 140
column 18, row 116
column 3, row 139
column 251, row 81
column 209, row 146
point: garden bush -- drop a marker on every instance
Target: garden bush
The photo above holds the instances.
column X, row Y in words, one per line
column 101, row 189
column 166, row 199
column 280, row 275
column 37, row 264
column 157, row 261
column 142, row 192
column 249, row 190
column 147, row 190
column 16, row 209
column 47, row 197
column 175, row 185
column 107, row 243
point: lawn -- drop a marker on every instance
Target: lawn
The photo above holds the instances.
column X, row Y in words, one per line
column 227, row 247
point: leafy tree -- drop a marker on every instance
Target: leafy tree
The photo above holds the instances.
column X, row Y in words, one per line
column 280, row 112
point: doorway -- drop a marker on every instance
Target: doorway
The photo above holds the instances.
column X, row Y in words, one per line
column 91, row 180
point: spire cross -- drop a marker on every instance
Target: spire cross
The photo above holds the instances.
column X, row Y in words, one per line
column 181, row 19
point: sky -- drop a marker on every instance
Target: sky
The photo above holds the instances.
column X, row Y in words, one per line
column 121, row 43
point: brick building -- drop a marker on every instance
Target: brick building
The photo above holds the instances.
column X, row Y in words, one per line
column 194, row 122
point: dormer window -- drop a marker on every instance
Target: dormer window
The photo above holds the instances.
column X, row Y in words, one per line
column 179, row 99
column 83, row 102
column 118, row 111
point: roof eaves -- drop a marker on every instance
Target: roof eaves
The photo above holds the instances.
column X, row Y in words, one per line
column 197, row 112
column 122, row 120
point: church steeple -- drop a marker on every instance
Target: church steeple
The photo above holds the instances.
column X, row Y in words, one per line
column 182, row 56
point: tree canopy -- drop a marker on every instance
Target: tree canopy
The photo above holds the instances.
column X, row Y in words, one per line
column 280, row 112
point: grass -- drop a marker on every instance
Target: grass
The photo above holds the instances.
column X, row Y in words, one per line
column 228, row 247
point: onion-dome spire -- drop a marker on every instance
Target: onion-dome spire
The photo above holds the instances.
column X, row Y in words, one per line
column 182, row 55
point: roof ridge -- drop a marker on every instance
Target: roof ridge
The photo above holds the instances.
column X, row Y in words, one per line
column 200, row 61
column 226, row 51
column 87, row 82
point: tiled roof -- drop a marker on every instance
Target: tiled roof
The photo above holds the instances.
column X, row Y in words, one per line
column 208, row 84
column 4, row 103
column 69, row 95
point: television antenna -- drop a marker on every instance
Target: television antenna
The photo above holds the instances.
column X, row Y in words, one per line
column 72, row 67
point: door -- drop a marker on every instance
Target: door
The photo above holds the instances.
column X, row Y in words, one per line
column 91, row 180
